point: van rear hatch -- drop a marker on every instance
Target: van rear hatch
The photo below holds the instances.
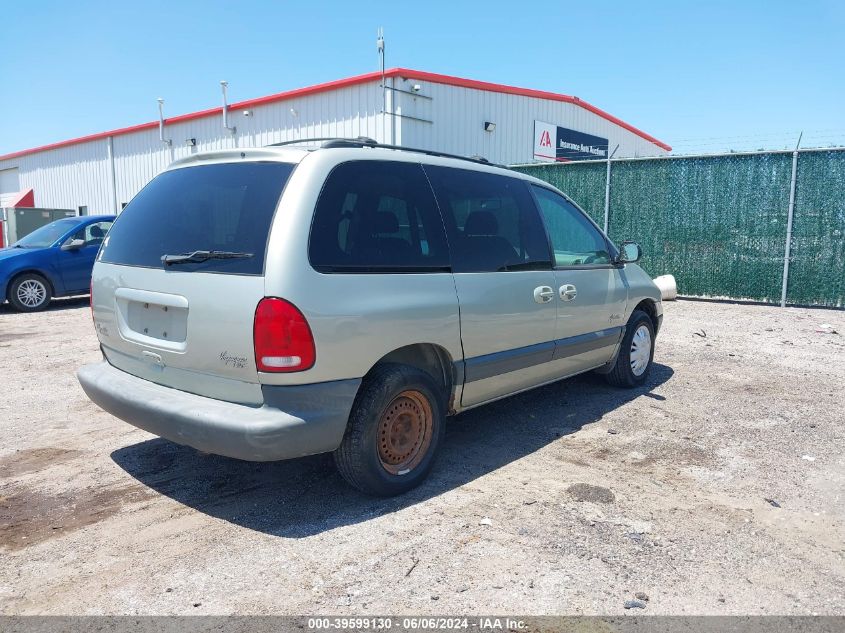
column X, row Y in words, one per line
column 180, row 274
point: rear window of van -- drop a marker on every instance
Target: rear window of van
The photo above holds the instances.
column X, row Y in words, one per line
column 223, row 208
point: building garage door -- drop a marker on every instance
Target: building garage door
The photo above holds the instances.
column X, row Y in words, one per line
column 9, row 183
column 10, row 186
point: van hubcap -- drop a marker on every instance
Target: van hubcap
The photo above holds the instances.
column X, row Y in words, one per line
column 404, row 432
column 31, row 293
column 640, row 350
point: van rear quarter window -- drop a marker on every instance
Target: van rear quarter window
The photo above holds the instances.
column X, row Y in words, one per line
column 492, row 222
column 377, row 216
column 222, row 207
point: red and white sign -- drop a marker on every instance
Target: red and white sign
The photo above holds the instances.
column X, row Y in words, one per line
column 545, row 137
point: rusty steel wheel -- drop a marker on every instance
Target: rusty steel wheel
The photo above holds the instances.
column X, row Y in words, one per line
column 404, row 432
column 394, row 429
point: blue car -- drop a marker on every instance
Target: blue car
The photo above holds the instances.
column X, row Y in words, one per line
column 53, row 261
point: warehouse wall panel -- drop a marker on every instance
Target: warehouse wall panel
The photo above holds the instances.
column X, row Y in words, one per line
column 67, row 178
column 454, row 118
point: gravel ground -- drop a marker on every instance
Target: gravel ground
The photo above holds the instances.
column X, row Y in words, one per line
column 718, row 489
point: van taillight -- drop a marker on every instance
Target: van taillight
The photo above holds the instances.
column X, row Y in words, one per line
column 282, row 337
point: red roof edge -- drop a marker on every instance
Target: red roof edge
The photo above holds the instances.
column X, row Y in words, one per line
column 25, row 199
column 525, row 92
column 343, row 83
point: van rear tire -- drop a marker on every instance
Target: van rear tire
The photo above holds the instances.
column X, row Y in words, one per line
column 394, row 430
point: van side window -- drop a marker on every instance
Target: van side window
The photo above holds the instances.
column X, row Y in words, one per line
column 575, row 241
column 377, row 216
column 491, row 221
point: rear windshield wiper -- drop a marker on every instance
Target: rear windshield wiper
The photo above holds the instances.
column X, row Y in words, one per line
column 201, row 256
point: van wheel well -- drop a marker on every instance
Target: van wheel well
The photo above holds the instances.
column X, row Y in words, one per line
column 648, row 306
column 430, row 358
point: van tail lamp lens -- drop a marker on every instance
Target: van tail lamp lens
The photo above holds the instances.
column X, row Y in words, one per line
column 282, row 337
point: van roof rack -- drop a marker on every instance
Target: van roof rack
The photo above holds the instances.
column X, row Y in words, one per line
column 364, row 141
column 361, row 140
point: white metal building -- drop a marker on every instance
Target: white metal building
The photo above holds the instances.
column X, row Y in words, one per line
column 101, row 172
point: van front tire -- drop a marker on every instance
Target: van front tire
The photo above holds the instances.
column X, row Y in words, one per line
column 636, row 353
column 394, row 430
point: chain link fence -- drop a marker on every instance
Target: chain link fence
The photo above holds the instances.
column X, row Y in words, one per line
column 719, row 223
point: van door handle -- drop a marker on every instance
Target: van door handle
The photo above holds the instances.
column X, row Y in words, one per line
column 543, row 294
column 568, row 292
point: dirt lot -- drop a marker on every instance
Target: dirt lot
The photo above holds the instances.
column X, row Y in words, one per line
column 569, row 499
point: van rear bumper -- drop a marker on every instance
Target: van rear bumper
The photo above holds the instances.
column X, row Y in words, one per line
column 294, row 420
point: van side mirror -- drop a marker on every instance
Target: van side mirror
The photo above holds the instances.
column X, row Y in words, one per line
column 73, row 245
column 629, row 253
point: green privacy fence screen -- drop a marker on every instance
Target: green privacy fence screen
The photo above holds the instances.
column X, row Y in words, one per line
column 817, row 263
column 719, row 223
column 585, row 184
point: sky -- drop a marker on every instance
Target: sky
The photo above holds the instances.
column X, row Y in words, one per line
column 700, row 76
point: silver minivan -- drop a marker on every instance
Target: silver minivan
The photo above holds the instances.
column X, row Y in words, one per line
column 346, row 297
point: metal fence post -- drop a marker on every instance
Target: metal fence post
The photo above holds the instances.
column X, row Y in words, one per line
column 607, row 191
column 787, row 252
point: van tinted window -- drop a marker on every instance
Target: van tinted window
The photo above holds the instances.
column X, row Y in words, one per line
column 491, row 221
column 226, row 207
column 377, row 216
